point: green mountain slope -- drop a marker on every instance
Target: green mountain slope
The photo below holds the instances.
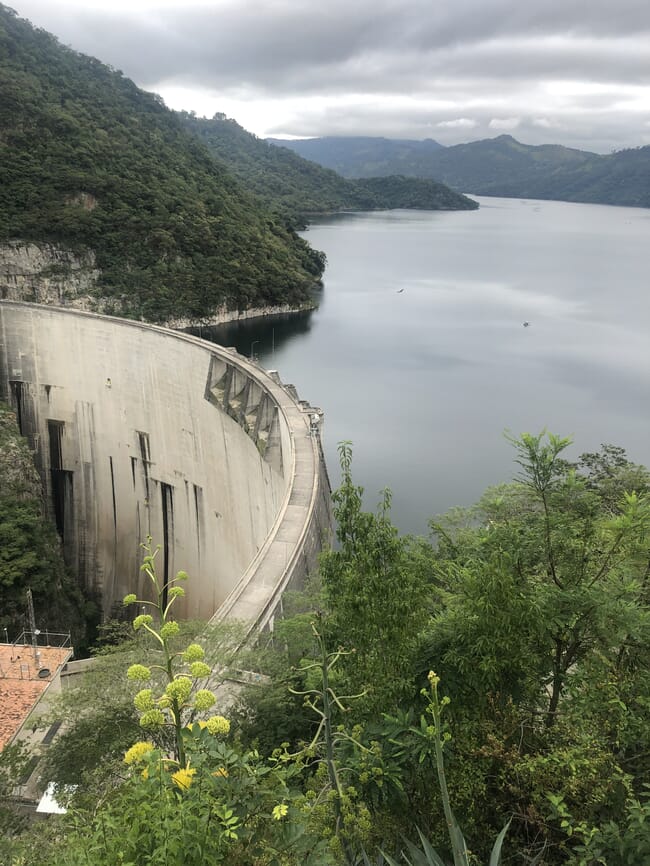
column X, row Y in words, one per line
column 295, row 186
column 365, row 156
column 87, row 160
column 505, row 167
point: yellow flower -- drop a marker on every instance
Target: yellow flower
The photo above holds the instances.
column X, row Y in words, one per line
column 218, row 726
column 169, row 629
column 144, row 700
column 138, row 672
column 179, row 689
column 200, row 669
column 152, row 719
column 194, row 653
column 138, row 752
column 145, row 773
column 279, row 812
column 183, row 778
column 204, row 699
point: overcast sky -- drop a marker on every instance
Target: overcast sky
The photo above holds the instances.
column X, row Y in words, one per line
column 574, row 72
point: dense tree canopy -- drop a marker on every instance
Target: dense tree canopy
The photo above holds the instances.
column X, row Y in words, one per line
column 88, row 160
column 296, row 187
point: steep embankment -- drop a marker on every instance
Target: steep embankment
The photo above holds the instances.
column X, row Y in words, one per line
column 496, row 166
column 89, row 162
column 30, row 552
column 295, row 186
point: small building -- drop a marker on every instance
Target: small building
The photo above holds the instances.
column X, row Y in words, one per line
column 30, row 673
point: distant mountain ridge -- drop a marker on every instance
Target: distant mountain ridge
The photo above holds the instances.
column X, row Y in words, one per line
column 364, row 156
column 290, row 184
column 500, row 166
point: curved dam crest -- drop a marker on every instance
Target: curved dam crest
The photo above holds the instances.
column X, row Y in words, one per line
column 137, row 430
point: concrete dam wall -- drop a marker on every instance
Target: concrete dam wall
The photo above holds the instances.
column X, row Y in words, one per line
column 139, row 431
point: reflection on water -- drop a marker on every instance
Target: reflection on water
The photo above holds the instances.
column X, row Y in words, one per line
column 257, row 337
column 418, row 354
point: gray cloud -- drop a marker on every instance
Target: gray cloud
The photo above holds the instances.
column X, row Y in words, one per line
column 483, row 62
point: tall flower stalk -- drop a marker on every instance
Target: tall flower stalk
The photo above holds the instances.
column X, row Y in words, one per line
column 181, row 669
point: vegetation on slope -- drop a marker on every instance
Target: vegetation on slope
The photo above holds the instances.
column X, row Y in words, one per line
column 531, row 608
column 498, row 166
column 87, row 160
column 365, row 156
column 297, row 187
column 30, row 550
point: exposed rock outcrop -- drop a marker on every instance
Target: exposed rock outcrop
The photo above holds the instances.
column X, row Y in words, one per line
column 47, row 274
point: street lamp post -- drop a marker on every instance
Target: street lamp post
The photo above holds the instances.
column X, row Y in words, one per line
column 253, row 344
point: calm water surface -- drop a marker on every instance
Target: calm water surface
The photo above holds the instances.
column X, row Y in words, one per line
column 418, row 354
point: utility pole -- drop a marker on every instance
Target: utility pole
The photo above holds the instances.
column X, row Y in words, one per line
column 34, row 630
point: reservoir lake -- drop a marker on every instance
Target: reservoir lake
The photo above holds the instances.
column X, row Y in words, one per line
column 418, row 353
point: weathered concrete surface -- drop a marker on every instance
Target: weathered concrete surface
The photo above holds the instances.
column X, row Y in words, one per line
column 140, row 431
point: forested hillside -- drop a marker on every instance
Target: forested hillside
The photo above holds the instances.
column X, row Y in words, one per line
column 498, row 166
column 365, row 156
column 87, row 160
column 297, row 187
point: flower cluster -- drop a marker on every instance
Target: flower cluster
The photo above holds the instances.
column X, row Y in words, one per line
column 180, row 669
column 144, row 700
column 137, row 753
column 218, row 726
column 280, row 811
column 183, row 778
column 200, row 670
column 152, row 719
column 139, row 672
column 179, row 690
column 194, row 653
column 204, row 699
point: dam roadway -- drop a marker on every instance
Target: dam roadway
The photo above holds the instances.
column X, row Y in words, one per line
column 140, row 431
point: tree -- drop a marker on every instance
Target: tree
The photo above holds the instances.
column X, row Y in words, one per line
column 376, row 593
column 559, row 575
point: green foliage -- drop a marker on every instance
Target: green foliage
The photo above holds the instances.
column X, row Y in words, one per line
column 88, row 160
column 397, row 191
column 551, row 568
column 30, row 551
column 225, row 807
column 533, row 606
column 438, row 737
column 14, row 763
column 294, row 186
column 375, row 589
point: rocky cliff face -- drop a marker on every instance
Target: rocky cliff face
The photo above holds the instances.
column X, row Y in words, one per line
column 47, row 274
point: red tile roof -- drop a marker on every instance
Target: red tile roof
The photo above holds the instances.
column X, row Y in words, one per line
column 20, row 684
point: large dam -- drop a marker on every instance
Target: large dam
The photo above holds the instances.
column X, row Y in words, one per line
column 140, row 431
